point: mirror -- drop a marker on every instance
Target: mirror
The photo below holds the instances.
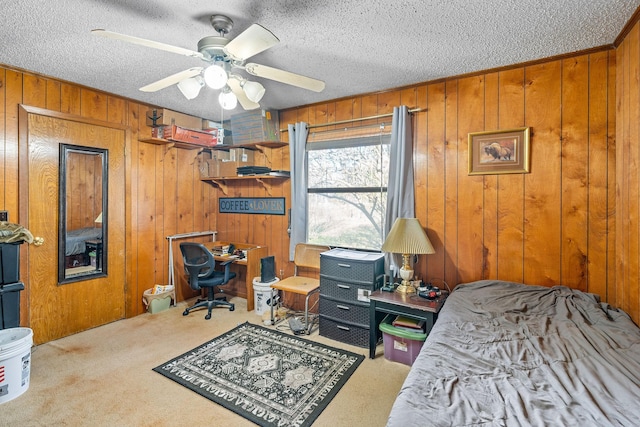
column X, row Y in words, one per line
column 82, row 227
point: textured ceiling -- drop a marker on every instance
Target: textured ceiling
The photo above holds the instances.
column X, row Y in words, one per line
column 355, row 47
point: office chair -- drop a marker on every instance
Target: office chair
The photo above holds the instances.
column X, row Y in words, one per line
column 199, row 266
column 306, row 256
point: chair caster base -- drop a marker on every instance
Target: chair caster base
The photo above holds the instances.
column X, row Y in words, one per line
column 232, row 307
column 184, row 313
column 208, row 316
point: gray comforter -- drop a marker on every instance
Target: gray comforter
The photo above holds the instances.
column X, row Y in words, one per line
column 507, row 354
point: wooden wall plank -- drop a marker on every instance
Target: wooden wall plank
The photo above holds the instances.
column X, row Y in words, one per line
column 612, row 187
column 490, row 183
column 574, row 177
column 542, row 251
column 470, row 188
column 450, row 236
column 598, row 204
column 435, row 172
column 510, row 239
column 630, row 295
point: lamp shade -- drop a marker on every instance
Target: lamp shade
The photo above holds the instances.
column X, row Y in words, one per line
column 407, row 237
column 253, row 90
column 190, row 87
column 227, row 99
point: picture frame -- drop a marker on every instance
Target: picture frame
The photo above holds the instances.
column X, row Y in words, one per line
column 499, row 152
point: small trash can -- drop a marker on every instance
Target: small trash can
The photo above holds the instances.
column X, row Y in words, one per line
column 400, row 345
column 262, row 295
column 158, row 298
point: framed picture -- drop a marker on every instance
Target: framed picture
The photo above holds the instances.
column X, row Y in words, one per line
column 499, row 152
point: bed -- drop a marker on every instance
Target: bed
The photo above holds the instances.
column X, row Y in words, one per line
column 75, row 239
column 509, row 354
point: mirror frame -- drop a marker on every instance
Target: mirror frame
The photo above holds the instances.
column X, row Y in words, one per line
column 62, row 213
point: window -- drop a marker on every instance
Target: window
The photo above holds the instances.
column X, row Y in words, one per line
column 347, row 189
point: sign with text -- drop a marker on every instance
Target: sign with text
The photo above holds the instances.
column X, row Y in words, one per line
column 252, row 205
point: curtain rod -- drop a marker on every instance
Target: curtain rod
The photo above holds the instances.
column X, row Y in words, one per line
column 360, row 119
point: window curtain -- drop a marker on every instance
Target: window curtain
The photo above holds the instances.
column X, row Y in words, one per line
column 298, row 214
column 400, row 192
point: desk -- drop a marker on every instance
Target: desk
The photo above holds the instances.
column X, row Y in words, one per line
column 246, row 269
column 410, row 305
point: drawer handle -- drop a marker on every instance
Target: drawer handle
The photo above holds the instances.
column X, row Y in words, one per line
column 343, row 307
column 344, row 328
column 344, row 286
column 345, row 265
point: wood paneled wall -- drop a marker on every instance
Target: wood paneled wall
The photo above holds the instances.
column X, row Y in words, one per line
column 164, row 194
column 552, row 226
column 573, row 220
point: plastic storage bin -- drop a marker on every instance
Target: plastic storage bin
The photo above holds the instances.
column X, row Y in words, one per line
column 10, row 305
column 9, row 262
column 400, row 345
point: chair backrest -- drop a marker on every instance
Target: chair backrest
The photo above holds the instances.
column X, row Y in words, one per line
column 199, row 263
column 308, row 256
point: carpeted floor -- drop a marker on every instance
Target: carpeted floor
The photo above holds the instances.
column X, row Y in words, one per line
column 267, row 376
column 104, row 377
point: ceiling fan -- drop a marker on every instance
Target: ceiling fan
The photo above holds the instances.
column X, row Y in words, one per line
column 225, row 56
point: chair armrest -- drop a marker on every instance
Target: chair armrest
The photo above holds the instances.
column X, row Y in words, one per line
column 227, row 265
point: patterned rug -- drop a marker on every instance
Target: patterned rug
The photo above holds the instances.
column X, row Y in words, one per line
column 268, row 377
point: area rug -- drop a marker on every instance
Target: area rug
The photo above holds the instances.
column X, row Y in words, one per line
column 266, row 376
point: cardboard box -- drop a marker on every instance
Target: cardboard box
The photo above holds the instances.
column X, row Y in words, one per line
column 203, row 158
column 213, row 168
column 229, row 168
column 169, row 118
column 180, row 134
column 221, row 155
column 243, row 155
column 255, row 126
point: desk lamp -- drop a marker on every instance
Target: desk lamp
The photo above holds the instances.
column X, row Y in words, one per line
column 407, row 237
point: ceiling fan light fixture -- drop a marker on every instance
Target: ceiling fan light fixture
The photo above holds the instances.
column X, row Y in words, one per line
column 227, row 99
column 253, row 90
column 215, row 76
column 190, row 87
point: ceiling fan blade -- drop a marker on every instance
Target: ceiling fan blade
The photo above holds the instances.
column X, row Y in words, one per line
column 246, row 103
column 147, row 43
column 285, row 77
column 171, row 80
column 251, row 41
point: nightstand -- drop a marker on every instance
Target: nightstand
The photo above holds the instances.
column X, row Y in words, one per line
column 95, row 245
column 409, row 305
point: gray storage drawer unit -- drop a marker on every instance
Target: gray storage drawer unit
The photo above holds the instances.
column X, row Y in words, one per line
column 347, row 278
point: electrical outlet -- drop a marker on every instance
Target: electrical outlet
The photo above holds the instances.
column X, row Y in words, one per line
column 4, row 215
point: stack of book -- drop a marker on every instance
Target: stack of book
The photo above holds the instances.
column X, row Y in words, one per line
column 220, row 249
column 409, row 324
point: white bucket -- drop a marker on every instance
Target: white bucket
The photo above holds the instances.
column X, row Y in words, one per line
column 261, row 295
column 15, row 362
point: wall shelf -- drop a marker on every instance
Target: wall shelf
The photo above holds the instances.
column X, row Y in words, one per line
column 260, row 145
column 223, row 183
column 171, row 143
